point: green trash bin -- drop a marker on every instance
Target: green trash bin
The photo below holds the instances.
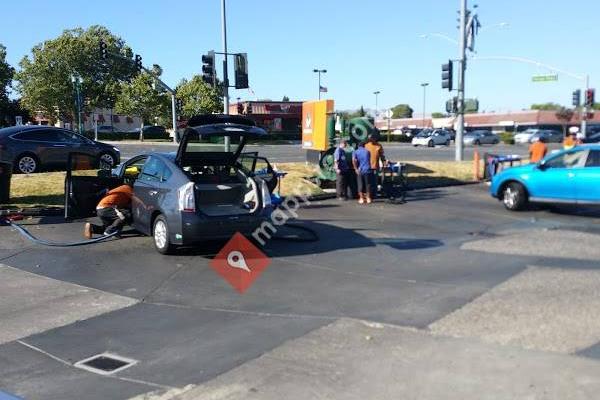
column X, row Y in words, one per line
column 5, row 175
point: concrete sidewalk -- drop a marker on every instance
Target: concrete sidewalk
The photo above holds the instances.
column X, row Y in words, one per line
column 352, row 359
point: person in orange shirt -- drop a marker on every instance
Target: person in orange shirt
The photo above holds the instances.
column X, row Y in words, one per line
column 375, row 149
column 113, row 210
column 538, row 150
column 570, row 141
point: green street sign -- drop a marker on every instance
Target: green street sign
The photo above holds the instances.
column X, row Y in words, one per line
column 544, row 78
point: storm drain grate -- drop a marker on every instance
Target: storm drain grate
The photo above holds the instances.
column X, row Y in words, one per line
column 105, row 363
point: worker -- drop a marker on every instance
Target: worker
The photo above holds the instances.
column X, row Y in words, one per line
column 571, row 139
column 538, row 150
column 361, row 160
column 342, row 170
column 113, row 210
column 377, row 160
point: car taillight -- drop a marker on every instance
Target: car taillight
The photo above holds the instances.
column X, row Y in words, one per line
column 266, row 195
column 186, row 198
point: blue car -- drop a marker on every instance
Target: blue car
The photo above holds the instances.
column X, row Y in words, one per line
column 569, row 176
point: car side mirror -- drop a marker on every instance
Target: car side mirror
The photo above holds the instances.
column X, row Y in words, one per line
column 542, row 166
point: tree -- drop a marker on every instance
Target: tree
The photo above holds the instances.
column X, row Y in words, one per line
column 564, row 114
column 437, row 115
column 140, row 98
column 198, row 97
column 285, row 98
column 6, row 75
column 44, row 79
column 546, row 106
column 402, row 111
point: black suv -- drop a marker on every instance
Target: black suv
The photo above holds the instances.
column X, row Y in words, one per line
column 32, row 148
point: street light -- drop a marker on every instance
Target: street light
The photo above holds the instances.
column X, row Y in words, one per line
column 76, row 80
column 424, row 85
column 320, row 71
column 376, row 93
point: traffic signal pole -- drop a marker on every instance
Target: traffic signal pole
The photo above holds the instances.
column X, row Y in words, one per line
column 225, row 78
column 585, row 108
column 460, row 121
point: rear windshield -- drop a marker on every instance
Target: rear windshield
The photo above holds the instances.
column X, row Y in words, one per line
column 211, row 144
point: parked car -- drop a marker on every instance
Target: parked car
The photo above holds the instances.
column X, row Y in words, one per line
column 480, row 137
column 548, row 135
column 592, row 138
column 107, row 129
column 431, row 137
column 152, row 130
column 525, row 136
column 32, row 148
column 203, row 191
column 568, row 176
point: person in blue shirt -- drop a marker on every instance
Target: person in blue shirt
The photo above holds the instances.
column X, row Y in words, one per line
column 342, row 170
column 361, row 159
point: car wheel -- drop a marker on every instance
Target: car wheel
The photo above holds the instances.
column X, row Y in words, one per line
column 430, row 143
column 109, row 159
column 476, row 143
column 514, row 196
column 447, row 142
column 415, row 145
column 160, row 233
column 27, row 164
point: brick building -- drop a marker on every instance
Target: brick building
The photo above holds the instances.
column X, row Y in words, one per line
column 283, row 117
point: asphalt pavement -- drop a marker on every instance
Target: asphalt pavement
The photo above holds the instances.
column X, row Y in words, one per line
column 447, row 293
column 394, row 151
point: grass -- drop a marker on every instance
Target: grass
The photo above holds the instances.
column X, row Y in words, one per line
column 48, row 188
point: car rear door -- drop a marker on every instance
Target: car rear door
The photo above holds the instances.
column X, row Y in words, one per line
column 85, row 184
column 148, row 192
column 587, row 180
column 259, row 167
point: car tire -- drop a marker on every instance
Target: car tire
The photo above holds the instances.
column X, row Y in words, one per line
column 477, row 143
column 109, row 158
column 415, row 145
column 160, row 234
column 430, row 144
column 447, row 142
column 27, row 164
column 514, row 196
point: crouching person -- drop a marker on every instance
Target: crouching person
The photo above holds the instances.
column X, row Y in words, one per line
column 114, row 210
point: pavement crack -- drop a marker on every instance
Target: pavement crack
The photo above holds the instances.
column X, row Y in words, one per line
column 162, row 283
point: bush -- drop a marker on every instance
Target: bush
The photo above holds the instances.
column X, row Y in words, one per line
column 395, row 138
column 507, row 138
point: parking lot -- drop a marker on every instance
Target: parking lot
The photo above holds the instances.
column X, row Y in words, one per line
column 449, row 280
column 394, row 151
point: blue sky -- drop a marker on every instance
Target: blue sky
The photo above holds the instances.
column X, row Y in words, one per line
column 365, row 46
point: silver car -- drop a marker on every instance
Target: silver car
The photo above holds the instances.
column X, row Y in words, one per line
column 479, row 137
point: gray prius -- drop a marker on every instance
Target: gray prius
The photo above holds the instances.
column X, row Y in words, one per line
column 204, row 191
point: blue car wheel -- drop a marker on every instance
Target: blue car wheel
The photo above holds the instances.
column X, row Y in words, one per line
column 514, row 196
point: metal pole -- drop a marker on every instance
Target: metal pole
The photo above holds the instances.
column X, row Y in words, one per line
column 585, row 108
column 78, row 107
column 174, row 112
column 225, row 79
column 319, row 72
column 424, row 103
column 459, row 151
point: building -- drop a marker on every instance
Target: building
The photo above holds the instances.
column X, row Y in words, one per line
column 102, row 116
column 278, row 117
column 497, row 122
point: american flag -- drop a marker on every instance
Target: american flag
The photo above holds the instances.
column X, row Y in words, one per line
column 322, row 89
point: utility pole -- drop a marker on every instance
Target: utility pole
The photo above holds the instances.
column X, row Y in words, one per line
column 319, row 71
column 225, row 79
column 424, row 85
column 460, row 121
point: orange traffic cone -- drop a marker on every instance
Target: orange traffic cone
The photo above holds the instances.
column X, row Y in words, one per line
column 476, row 166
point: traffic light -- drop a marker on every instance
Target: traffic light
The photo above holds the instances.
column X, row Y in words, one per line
column 138, row 63
column 209, row 73
column 103, row 49
column 577, row 98
column 241, row 71
column 447, row 76
column 249, row 108
column 589, row 97
column 452, row 105
column 240, row 108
